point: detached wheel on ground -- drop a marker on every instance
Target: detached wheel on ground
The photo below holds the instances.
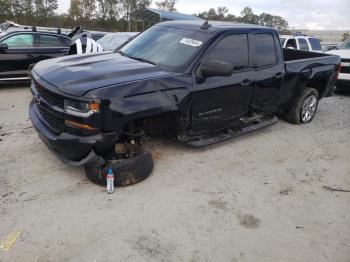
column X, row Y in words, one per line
column 126, row 171
column 304, row 108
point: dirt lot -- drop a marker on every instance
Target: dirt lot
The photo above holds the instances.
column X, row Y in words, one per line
column 256, row 198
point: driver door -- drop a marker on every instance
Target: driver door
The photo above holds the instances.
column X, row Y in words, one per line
column 220, row 101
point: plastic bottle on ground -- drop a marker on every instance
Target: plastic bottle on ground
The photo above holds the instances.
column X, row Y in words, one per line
column 110, row 181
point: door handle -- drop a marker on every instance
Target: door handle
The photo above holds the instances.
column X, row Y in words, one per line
column 246, row 82
column 279, row 75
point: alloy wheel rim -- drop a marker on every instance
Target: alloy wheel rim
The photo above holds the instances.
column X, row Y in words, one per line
column 309, row 108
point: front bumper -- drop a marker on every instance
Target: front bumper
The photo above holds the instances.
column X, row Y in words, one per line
column 71, row 149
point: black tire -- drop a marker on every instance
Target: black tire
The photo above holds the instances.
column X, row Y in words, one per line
column 126, row 172
column 294, row 115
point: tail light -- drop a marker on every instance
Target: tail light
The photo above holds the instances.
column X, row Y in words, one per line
column 338, row 68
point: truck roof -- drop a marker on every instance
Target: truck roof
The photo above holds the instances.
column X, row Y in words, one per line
column 215, row 26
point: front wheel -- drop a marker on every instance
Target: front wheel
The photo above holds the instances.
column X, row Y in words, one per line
column 126, row 171
column 304, row 108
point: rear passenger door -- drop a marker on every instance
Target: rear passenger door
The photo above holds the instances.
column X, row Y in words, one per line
column 50, row 46
column 269, row 72
column 221, row 100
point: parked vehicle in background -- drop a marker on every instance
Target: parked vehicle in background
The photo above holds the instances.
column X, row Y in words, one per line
column 343, row 51
column 329, row 46
column 96, row 35
column 20, row 49
column 112, row 41
column 301, row 42
column 202, row 82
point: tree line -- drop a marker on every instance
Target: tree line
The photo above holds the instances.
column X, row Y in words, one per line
column 247, row 16
column 114, row 15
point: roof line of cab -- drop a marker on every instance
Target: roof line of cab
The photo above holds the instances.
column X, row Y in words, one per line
column 212, row 27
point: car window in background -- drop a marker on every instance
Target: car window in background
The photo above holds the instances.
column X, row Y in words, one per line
column 315, row 44
column 282, row 40
column 345, row 45
column 112, row 41
column 303, row 44
column 50, row 41
column 21, row 41
column 232, row 49
column 65, row 40
column 169, row 48
column 265, row 50
column 291, row 43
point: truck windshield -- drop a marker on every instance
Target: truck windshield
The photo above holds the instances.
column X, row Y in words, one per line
column 169, row 48
column 345, row 45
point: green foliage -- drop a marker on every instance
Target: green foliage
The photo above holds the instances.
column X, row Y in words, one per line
column 5, row 10
column 168, row 5
column 246, row 16
column 115, row 15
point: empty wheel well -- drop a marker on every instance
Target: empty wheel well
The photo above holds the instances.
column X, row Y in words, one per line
column 157, row 124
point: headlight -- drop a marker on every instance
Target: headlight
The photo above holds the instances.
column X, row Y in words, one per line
column 81, row 109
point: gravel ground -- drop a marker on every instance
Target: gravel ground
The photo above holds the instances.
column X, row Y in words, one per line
column 259, row 197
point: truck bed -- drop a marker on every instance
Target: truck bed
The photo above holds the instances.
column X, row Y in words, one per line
column 293, row 55
column 316, row 70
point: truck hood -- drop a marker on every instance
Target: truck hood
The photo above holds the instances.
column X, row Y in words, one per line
column 345, row 54
column 78, row 74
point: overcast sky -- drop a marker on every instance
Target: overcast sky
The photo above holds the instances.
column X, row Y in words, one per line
column 301, row 14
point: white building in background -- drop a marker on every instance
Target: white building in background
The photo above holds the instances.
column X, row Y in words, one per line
column 326, row 36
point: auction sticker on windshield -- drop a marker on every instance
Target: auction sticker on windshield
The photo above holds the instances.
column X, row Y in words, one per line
column 191, row 42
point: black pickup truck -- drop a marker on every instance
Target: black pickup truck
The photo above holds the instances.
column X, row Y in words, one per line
column 202, row 82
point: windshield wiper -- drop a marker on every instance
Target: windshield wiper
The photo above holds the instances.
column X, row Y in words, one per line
column 142, row 60
column 136, row 58
column 122, row 53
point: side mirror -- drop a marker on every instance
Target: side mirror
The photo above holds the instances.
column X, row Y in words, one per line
column 214, row 68
column 3, row 46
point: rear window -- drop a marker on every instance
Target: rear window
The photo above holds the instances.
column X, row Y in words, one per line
column 291, row 43
column 265, row 50
column 315, row 44
column 303, row 44
column 232, row 49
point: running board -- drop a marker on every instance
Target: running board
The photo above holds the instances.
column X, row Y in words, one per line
column 229, row 134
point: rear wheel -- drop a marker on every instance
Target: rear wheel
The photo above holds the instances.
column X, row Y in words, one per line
column 304, row 108
column 126, row 171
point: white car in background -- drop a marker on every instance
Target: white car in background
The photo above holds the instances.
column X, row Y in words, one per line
column 301, row 42
column 344, row 77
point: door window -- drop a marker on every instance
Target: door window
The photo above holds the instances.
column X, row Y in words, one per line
column 232, row 49
column 21, row 41
column 303, row 44
column 265, row 50
column 50, row 41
